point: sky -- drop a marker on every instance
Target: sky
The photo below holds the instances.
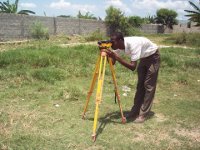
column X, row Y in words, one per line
column 142, row 8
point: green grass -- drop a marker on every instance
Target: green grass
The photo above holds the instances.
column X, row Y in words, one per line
column 43, row 88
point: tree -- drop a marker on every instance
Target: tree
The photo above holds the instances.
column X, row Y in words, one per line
column 86, row 16
column 150, row 19
column 194, row 14
column 135, row 21
column 66, row 16
column 166, row 17
column 115, row 20
column 6, row 7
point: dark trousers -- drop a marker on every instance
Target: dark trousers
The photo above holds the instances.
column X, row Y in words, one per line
column 147, row 78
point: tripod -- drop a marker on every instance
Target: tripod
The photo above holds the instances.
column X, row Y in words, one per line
column 100, row 72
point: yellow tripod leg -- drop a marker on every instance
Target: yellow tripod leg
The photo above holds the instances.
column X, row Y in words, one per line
column 95, row 74
column 99, row 92
column 116, row 89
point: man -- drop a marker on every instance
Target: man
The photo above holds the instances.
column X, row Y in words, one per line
column 138, row 48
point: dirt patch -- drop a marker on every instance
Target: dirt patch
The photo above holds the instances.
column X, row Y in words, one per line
column 157, row 137
column 139, row 137
column 160, row 117
column 75, row 44
column 162, row 135
column 193, row 134
column 175, row 46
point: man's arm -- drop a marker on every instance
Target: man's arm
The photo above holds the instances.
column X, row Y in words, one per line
column 132, row 65
column 113, row 61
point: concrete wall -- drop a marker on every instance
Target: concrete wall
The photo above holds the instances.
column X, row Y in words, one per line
column 17, row 27
column 184, row 28
column 13, row 26
column 156, row 28
column 152, row 28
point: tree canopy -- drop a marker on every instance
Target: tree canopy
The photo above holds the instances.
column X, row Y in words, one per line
column 115, row 20
column 166, row 17
column 135, row 21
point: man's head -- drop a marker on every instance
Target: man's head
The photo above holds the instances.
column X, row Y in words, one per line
column 117, row 39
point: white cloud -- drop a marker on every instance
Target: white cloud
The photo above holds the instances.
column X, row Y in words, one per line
column 141, row 8
column 28, row 5
column 62, row 4
column 118, row 4
column 84, row 8
column 149, row 7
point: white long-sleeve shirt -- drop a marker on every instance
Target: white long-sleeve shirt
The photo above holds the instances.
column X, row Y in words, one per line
column 138, row 47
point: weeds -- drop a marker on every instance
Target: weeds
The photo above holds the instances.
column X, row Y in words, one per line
column 38, row 31
column 49, row 74
column 96, row 36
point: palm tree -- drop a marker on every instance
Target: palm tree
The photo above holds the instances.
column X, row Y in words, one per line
column 6, row 7
column 86, row 16
column 149, row 19
column 194, row 14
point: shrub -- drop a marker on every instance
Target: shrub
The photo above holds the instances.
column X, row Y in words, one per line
column 135, row 21
column 38, row 31
column 180, row 38
column 131, row 31
column 189, row 39
column 95, row 36
column 193, row 39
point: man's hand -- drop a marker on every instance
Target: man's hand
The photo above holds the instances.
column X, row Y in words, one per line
column 132, row 65
column 111, row 54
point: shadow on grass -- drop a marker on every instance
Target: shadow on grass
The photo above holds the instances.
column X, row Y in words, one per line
column 114, row 118
column 108, row 118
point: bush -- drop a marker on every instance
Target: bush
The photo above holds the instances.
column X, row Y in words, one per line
column 38, row 31
column 193, row 39
column 135, row 21
column 180, row 38
column 131, row 31
column 95, row 36
column 189, row 39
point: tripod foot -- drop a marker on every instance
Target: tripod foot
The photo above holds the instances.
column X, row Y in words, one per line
column 83, row 117
column 94, row 137
column 123, row 120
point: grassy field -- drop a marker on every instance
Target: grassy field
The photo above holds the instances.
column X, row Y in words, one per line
column 43, row 88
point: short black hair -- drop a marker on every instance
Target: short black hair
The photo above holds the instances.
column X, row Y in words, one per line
column 118, row 35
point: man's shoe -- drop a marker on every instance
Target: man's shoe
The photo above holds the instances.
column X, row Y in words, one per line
column 130, row 116
column 140, row 119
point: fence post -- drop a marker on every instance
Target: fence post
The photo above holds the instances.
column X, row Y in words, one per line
column 79, row 26
column 22, row 28
column 55, row 25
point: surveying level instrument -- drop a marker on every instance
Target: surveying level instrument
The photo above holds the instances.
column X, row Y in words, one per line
column 105, row 44
column 100, row 73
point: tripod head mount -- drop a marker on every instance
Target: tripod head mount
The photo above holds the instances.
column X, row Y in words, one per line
column 105, row 44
